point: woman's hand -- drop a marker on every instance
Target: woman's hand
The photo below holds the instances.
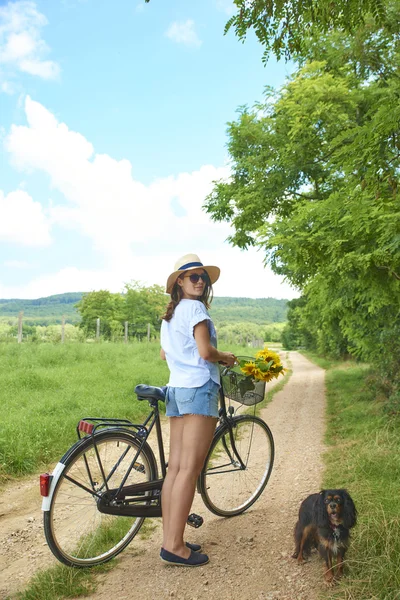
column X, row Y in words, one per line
column 227, row 358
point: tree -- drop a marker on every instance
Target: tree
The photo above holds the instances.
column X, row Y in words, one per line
column 101, row 305
column 138, row 304
column 315, row 174
column 143, row 306
column 282, row 27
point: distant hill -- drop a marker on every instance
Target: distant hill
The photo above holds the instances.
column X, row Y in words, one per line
column 47, row 311
column 44, row 311
column 254, row 310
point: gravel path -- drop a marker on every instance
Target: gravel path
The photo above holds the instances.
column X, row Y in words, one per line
column 249, row 554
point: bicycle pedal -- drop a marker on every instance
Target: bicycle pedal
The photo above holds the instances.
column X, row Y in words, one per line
column 195, row 520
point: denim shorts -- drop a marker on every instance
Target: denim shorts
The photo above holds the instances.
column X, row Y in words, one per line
column 193, row 401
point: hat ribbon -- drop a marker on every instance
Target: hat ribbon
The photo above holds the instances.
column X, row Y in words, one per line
column 191, row 264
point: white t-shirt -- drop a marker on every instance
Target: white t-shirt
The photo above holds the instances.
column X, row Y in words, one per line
column 187, row 368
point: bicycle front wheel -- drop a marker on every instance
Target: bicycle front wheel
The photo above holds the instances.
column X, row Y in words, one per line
column 78, row 534
column 229, row 486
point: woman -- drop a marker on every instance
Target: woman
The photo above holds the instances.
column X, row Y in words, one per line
column 188, row 344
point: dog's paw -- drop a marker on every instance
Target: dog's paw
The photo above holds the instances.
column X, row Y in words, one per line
column 329, row 579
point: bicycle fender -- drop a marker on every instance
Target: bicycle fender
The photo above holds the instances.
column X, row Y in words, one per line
column 46, row 502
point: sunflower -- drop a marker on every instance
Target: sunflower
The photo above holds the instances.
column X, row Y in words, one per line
column 268, row 355
column 249, row 368
column 264, row 367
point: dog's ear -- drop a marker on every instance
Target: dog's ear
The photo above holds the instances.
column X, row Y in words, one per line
column 349, row 510
column 320, row 515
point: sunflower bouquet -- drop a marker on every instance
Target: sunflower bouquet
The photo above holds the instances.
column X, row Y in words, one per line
column 245, row 382
column 265, row 366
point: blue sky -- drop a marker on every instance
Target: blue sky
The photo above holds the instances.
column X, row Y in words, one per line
column 112, row 128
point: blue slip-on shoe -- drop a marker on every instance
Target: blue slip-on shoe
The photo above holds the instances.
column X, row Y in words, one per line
column 195, row 559
column 194, row 547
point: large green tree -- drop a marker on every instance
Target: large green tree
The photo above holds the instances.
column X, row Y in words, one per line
column 315, row 174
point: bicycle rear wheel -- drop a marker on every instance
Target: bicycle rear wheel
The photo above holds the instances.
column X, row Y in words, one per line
column 78, row 534
column 227, row 487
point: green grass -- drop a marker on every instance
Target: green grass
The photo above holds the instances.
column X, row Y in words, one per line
column 364, row 456
column 322, row 361
column 61, row 581
column 45, row 389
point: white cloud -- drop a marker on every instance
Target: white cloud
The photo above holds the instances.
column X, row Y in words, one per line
column 132, row 226
column 17, row 264
column 22, row 48
column 65, row 280
column 184, row 33
column 7, row 87
column 22, row 221
column 226, row 6
column 105, row 203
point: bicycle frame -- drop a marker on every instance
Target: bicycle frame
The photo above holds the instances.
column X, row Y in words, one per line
column 125, row 499
column 142, row 499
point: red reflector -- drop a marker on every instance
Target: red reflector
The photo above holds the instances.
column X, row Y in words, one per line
column 45, row 479
column 85, row 427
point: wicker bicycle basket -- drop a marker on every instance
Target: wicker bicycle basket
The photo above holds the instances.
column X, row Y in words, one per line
column 240, row 387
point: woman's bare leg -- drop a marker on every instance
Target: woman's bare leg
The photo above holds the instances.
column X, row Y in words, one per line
column 196, row 438
column 175, row 444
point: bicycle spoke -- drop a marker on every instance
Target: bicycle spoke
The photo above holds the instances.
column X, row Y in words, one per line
column 77, row 532
column 226, row 487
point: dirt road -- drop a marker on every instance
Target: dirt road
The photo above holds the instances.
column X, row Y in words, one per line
column 249, row 554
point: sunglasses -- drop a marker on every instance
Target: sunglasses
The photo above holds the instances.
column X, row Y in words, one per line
column 195, row 277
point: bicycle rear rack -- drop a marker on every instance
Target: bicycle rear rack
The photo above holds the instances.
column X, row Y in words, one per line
column 90, row 425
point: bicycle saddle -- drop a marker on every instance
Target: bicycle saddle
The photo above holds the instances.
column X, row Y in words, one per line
column 146, row 392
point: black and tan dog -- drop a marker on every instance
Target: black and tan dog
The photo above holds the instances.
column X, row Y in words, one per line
column 325, row 520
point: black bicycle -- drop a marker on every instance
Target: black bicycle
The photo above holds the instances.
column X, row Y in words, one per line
column 108, row 482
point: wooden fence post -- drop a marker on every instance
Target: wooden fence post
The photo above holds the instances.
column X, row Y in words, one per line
column 148, row 332
column 21, row 314
column 126, row 332
column 97, row 329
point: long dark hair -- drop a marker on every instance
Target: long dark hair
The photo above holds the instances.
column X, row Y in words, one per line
column 177, row 295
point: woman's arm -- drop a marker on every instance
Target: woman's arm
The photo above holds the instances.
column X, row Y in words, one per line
column 206, row 350
column 162, row 354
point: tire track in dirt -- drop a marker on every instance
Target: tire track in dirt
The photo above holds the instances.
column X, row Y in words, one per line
column 249, row 554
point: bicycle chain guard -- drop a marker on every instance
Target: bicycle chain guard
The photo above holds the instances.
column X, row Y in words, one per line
column 138, row 500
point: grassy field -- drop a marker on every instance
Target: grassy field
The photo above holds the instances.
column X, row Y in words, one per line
column 364, row 456
column 45, row 389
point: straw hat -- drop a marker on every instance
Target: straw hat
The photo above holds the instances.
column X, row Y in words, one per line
column 188, row 263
